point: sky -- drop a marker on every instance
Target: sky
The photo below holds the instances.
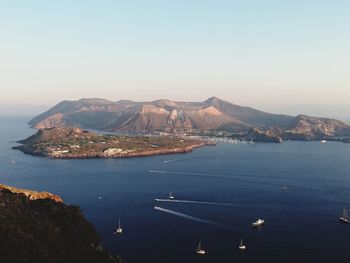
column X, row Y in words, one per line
column 258, row 53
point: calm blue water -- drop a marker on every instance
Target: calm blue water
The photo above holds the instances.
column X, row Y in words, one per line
column 243, row 181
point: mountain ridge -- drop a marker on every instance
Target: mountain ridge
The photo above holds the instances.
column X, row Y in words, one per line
column 213, row 114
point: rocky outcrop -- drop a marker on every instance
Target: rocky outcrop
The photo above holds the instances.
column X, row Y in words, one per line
column 45, row 230
column 270, row 135
column 32, row 195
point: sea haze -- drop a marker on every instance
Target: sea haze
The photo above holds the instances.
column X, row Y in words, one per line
column 219, row 191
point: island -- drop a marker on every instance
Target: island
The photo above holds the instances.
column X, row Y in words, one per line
column 75, row 143
column 39, row 227
column 213, row 117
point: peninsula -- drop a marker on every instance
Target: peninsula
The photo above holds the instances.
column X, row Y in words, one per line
column 75, row 143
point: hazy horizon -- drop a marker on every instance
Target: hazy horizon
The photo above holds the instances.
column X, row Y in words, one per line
column 262, row 54
column 340, row 112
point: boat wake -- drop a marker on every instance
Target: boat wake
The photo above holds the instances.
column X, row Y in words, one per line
column 189, row 173
column 247, row 179
column 171, row 161
column 209, row 222
column 189, row 217
column 196, row 202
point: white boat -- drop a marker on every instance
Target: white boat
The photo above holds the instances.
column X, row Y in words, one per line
column 171, row 196
column 284, row 188
column 323, row 141
column 258, row 222
column 242, row 246
column 200, row 251
column 13, row 162
column 119, row 229
column 345, row 216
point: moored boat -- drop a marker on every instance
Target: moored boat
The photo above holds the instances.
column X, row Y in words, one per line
column 242, row 246
column 258, row 222
column 344, row 218
column 119, row 229
column 199, row 250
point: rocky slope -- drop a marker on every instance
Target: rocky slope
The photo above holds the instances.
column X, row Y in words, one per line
column 39, row 227
column 213, row 114
column 312, row 128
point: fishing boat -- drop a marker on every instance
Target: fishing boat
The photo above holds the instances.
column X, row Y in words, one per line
column 200, row 251
column 171, row 196
column 345, row 216
column 119, row 229
column 241, row 245
column 258, row 222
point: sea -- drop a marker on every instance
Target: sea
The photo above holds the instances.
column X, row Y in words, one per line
column 218, row 192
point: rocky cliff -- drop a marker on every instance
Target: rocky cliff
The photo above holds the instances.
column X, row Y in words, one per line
column 39, row 227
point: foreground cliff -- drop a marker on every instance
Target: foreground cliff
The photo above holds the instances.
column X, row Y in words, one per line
column 39, row 227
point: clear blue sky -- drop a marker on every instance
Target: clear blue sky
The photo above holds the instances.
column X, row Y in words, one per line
column 248, row 52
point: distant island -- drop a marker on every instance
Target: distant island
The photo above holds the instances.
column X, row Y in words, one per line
column 212, row 117
column 75, row 143
column 39, row 227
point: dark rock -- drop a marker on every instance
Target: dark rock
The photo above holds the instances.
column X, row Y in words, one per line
column 259, row 135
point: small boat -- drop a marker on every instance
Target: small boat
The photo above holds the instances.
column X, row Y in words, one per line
column 119, row 229
column 323, row 141
column 13, row 162
column 284, row 188
column 345, row 216
column 258, row 222
column 242, row 246
column 200, row 251
column 171, row 196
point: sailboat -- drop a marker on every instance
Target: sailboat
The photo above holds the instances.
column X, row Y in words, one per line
column 200, row 251
column 241, row 245
column 119, row 229
column 345, row 216
column 171, row 196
